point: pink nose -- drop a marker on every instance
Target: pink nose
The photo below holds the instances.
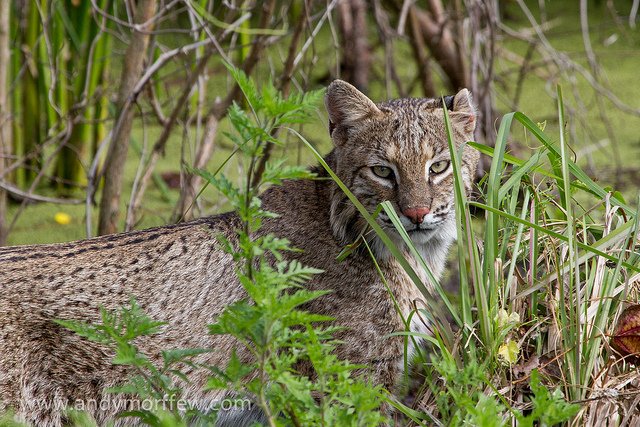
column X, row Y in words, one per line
column 416, row 215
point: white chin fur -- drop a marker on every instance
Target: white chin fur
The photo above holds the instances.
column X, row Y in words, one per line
column 432, row 244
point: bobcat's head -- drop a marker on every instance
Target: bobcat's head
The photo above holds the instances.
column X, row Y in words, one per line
column 397, row 151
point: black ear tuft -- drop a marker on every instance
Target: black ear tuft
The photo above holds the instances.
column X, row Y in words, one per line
column 448, row 101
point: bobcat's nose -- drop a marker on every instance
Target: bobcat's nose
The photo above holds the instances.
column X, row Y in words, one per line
column 416, row 215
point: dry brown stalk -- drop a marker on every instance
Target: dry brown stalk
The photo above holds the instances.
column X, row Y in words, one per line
column 159, row 147
column 421, row 54
column 192, row 182
column 356, row 53
column 117, row 154
column 438, row 36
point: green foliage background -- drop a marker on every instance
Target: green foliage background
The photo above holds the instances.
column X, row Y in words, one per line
column 619, row 62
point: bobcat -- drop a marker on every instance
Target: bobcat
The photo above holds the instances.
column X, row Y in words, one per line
column 394, row 151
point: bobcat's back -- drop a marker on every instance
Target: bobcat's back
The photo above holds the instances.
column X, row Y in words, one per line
column 168, row 270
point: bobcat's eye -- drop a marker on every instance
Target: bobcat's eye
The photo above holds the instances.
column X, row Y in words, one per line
column 439, row 167
column 382, row 172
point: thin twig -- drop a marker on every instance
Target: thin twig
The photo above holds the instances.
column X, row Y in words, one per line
column 386, row 37
column 284, row 85
column 162, row 60
column 138, row 191
column 634, row 13
column 155, row 105
column 595, row 70
column 565, row 62
column 27, row 196
column 404, row 12
column 42, row 171
column 315, row 32
column 140, row 27
column 130, row 220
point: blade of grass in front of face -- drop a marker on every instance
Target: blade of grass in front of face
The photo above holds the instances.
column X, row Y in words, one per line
column 406, row 322
column 391, row 213
column 466, row 247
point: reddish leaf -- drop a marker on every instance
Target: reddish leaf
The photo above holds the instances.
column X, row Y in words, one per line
column 172, row 179
column 626, row 337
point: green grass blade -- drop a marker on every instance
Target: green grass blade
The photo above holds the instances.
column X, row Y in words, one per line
column 487, row 310
column 593, row 248
column 391, row 213
column 466, row 246
column 575, row 170
column 571, row 330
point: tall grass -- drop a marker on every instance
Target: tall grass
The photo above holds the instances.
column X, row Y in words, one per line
column 542, row 284
column 85, row 66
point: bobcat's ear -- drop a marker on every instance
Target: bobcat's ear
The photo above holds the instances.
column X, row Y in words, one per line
column 463, row 112
column 346, row 105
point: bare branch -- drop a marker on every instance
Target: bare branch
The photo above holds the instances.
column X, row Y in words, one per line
column 315, row 32
column 162, row 60
column 420, row 52
column 355, row 51
column 28, row 196
column 138, row 190
column 92, row 179
column 404, row 12
column 634, row 13
column 114, row 166
column 387, row 37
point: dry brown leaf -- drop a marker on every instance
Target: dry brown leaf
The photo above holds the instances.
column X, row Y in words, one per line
column 626, row 337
